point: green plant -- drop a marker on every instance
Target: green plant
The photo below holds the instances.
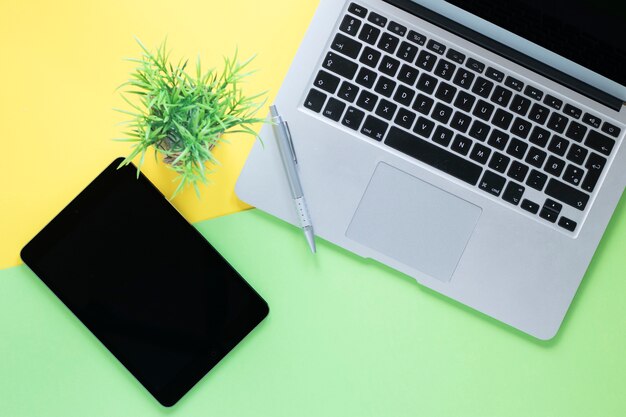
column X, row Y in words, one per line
column 183, row 117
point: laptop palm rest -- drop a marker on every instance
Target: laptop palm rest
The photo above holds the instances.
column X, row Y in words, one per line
column 413, row 222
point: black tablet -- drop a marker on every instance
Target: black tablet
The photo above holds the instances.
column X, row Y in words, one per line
column 145, row 282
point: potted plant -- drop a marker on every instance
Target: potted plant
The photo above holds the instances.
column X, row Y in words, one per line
column 184, row 117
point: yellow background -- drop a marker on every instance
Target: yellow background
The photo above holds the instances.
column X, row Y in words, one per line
column 61, row 62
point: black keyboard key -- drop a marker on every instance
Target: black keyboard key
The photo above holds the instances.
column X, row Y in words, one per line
column 367, row 100
column 346, row 45
column 502, row 119
column 442, row 113
column 348, row 92
column 553, row 102
column 536, row 180
column 499, row 162
column 408, row 74
column 386, row 109
column 417, row 38
column 553, row 205
column 539, row 136
column 558, row 145
column 557, row 122
column 567, row 224
column 385, row 86
column 567, row 194
column 340, row 65
column 377, row 19
column 533, row 92
column 404, row 95
column 374, row 128
column 423, row 104
column 315, row 100
column 434, row 156
column 520, row 105
column 513, row 193
column 483, row 110
column 572, row 111
column 492, row 183
column 480, row 154
column 357, row 10
column 353, row 118
column 407, row 51
column 498, row 139
column 611, row 129
column 530, row 207
column 436, row 47
column 549, row 215
column 460, row 122
column 576, row 131
column 388, row 43
column 463, row 78
column 573, row 175
column 479, row 130
column 326, row 81
column 521, row 127
column 554, row 166
column 444, row 69
column 461, row 144
column 464, row 101
column 577, row 154
column 370, row 57
column 424, row 127
column 501, row 96
column 455, row 56
column 443, row 136
column 482, row 87
column 536, row 157
column 599, row 142
column 397, row 28
column 595, row 164
column 494, row 74
column 426, row 60
column 474, row 65
column 369, row 34
column 518, row 171
column 539, row 114
column 405, row 118
column 334, row 109
column 350, row 25
column 592, row 120
column 514, row 83
column 389, row 66
column 517, row 148
column 445, row 92
column 427, row 83
column 366, row 77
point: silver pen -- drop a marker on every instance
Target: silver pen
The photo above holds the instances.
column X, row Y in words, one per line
column 290, row 163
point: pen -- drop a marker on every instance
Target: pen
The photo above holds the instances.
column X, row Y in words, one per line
column 290, row 163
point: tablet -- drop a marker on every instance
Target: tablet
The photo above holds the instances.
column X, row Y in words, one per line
column 145, row 282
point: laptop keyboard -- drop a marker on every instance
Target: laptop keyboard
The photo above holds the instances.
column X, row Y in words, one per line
column 463, row 117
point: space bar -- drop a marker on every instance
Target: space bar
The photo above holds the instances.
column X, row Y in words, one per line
column 433, row 155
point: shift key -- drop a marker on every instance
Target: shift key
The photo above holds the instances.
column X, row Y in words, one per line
column 569, row 195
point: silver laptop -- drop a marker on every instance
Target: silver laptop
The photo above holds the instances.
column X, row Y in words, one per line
column 476, row 146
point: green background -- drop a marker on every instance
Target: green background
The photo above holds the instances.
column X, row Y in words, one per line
column 344, row 337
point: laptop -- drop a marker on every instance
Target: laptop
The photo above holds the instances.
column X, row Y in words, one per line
column 474, row 145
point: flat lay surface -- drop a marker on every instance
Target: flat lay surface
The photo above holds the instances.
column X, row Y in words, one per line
column 344, row 337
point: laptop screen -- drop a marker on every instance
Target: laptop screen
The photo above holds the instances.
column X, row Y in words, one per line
column 591, row 33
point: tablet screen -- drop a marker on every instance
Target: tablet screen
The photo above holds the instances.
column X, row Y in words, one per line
column 145, row 282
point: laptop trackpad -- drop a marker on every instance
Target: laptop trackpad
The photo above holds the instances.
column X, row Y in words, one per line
column 413, row 222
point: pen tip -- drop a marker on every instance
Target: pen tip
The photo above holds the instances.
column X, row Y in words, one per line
column 310, row 238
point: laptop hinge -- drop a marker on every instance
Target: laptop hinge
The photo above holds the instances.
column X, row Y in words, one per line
column 509, row 53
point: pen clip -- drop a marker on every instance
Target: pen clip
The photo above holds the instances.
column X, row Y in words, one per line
column 293, row 150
